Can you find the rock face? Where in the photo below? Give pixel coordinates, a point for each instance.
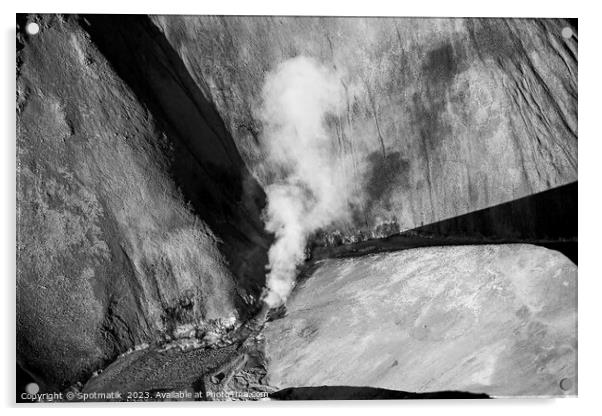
(443, 116)
(112, 250)
(500, 320)
(140, 175)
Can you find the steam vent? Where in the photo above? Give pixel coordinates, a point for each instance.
(295, 208)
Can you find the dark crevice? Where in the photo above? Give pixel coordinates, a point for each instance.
(366, 393)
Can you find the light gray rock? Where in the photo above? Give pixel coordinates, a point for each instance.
(500, 320)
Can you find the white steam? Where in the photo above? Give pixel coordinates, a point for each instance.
(311, 189)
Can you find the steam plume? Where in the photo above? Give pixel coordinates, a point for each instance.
(310, 190)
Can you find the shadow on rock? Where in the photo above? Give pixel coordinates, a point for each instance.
(366, 393)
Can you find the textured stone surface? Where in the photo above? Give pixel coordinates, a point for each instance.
(444, 116)
(500, 320)
(109, 251)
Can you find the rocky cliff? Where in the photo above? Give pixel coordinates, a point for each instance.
(443, 116)
(137, 218)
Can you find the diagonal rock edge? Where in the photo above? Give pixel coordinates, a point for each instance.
(547, 219)
(210, 172)
(135, 174)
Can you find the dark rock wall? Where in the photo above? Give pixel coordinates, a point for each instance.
(547, 219)
(131, 200)
(550, 215)
(444, 116)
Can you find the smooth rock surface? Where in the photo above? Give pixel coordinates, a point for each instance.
(500, 320)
